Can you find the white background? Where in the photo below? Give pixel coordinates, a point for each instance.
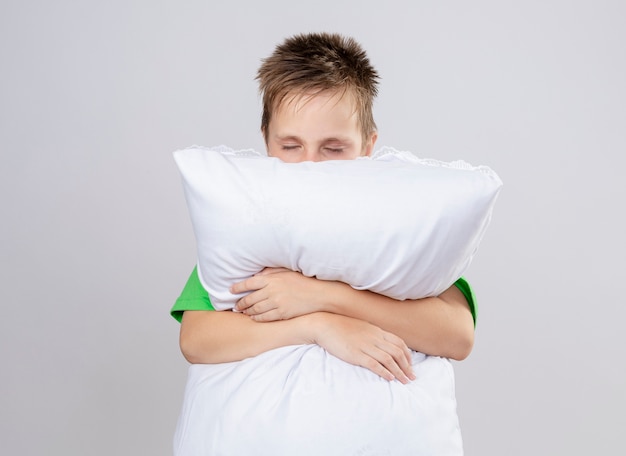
(96, 242)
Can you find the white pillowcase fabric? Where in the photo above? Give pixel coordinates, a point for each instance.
(394, 224)
(300, 400)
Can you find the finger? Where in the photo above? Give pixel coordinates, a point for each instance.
(399, 354)
(390, 358)
(407, 363)
(250, 284)
(270, 315)
(376, 367)
(250, 300)
(393, 359)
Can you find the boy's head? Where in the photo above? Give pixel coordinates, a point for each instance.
(328, 71)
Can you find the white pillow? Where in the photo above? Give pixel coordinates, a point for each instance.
(299, 400)
(393, 224)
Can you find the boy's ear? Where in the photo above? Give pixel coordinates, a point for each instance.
(369, 145)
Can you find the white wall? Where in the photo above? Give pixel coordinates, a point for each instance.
(96, 243)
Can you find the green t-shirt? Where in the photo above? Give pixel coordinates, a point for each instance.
(195, 297)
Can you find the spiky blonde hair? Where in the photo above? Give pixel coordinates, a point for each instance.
(308, 64)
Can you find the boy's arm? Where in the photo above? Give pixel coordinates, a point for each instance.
(441, 326)
(215, 337)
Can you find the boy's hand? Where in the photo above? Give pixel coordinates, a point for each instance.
(278, 294)
(363, 344)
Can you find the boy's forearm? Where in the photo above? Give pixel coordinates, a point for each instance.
(440, 326)
(208, 337)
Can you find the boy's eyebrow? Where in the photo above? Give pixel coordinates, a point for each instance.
(325, 140)
(287, 138)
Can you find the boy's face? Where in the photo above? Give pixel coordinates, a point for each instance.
(316, 128)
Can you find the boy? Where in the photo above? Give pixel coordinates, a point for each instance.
(318, 91)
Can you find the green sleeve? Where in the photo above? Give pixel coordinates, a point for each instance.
(467, 291)
(193, 297)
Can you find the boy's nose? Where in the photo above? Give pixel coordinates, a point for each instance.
(312, 155)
